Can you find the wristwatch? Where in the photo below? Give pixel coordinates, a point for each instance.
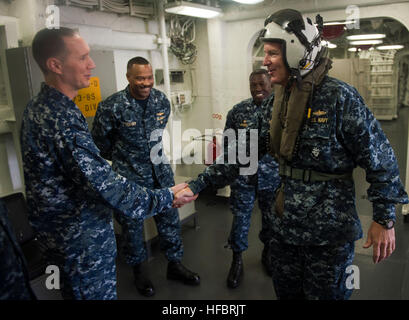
(387, 224)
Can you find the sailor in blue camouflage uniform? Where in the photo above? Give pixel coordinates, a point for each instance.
(128, 128)
(70, 188)
(320, 131)
(14, 278)
(252, 113)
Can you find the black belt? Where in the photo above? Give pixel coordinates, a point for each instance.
(307, 175)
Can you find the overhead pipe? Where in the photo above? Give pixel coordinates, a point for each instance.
(174, 153)
(234, 12)
(106, 38)
(164, 46)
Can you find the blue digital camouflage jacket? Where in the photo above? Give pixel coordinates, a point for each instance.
(126, 133)
(68, 184)
(339, 134)
(248, 115)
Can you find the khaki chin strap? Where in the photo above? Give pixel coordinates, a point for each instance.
(287, 117)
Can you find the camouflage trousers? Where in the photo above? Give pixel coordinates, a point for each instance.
(242, 201)
(311, 272)
(168, 226)
(97, 283)
(88, 272)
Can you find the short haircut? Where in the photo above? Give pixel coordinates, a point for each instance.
(258, 71)
(48, 43)
(136, 60)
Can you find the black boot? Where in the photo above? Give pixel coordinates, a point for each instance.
(236, 271)
(177, 271)
(266, 260)
(142, 282)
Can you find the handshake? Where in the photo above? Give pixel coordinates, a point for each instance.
(182, 195)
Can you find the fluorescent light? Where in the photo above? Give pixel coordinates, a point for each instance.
(192, 9)
(366, 36)
(248, 1)
(364, 42)
(390, 47)
(328, 44)
(354, 49)
(338, 23)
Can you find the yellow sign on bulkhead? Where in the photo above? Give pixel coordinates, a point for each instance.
(88, 98)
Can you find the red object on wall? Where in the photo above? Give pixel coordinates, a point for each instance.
(213, 151)
(333, 31)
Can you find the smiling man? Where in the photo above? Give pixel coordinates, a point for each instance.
(320, 131)
(70, 188)
(249, 114)
(122, 128)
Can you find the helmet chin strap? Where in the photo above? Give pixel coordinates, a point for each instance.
(295, 75)
(298, 78)
(312, 88)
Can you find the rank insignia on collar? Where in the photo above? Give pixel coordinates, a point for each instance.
(319, 113)
(130, 124)
(315, 152)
